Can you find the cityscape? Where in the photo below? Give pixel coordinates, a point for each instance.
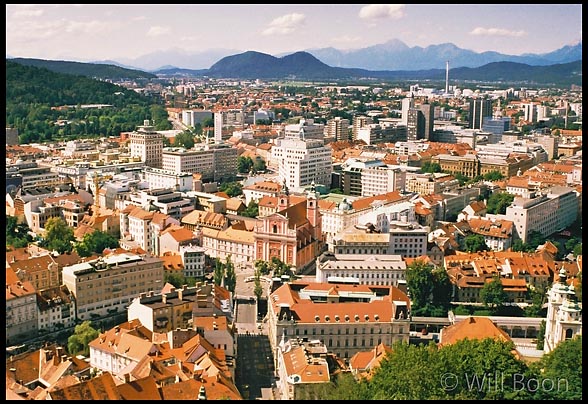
(326, 215)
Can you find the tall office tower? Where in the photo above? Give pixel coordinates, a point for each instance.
(419, 123)
(338, 129)
(147, 144)
(447, 77)
(530, 112)
(407, 103)
(225, 122)
(428, 112)
(360, 121)
(479, 108)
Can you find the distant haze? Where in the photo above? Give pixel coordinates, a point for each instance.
(202, 34)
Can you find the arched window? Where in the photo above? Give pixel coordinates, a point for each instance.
(569, 333)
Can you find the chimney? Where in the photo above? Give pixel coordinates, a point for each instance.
(164, 298)
(180, 294)
(127, 377)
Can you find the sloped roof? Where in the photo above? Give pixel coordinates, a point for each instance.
(477, 328)
(140, 389)
(101, 387)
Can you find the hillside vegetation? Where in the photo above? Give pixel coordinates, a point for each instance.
(31, 94)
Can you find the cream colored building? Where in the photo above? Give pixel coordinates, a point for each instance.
(377, 269)
(346, 318)
(106, 285)
(147, 144)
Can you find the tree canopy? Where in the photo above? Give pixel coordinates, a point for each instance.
(17, 233)
(95, 243)
(83, 334)
(498, 202)
(473, 243)
(58, 235)
(493, 294)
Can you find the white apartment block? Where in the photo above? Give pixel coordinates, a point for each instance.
(225, 120)
(158, 178)
(191, 117)
(302, 162)
(142, 228)
(147, 144)
(412, 147)
(338, 129)
(214, 162)
(377, 269)
(106, 285)
(381, 180)
(547, 213)
(305, 129)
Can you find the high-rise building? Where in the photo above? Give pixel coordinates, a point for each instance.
(479, 108)
(407, 103)
(338, 129)
(147, 144)
(360, 121)
(302, 161)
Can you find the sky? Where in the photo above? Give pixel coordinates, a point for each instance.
(93, 32)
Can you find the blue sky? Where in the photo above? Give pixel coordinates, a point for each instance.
(109, 31)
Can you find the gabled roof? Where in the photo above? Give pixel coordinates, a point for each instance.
(472, 328)
(101, 387)
(140, 389)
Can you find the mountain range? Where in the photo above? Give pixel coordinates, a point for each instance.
(304, 66)
(391, 55)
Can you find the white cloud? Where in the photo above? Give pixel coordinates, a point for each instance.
(382, 11)
(56, 28)
(157, 30)
(285, 24)
(27, 11)
(496, 32)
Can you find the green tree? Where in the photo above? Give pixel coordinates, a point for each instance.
(262, 266)
(498, 202)
(493, 176)
(252, 209)
(58, 235)
(219, 272)
(17, 233)
(78, 342)
(95, 242)
(442, 288)
(560, 372)
(419, 280)
(429, 167)
(541, 336)
(257, 290)
(577, 250)
(474, 243)
(230, 275)
(244, 164)
(231, 188)
(184, 139)
(493, 294)
(259, 165)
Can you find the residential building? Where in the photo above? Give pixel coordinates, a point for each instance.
(56, 309)
(300, 363)
(106, 285)
(21, 309)
(42, 271)
(216, 162)
(379, 180)
(338, 129)
(547, 213)
(142, 228)
(159, 178)
(429, 183)
(255, 192)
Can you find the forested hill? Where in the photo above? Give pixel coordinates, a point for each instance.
(27, 84)
(92, 70)
(31, 93)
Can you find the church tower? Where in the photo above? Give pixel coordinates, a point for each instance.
(564, 314)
